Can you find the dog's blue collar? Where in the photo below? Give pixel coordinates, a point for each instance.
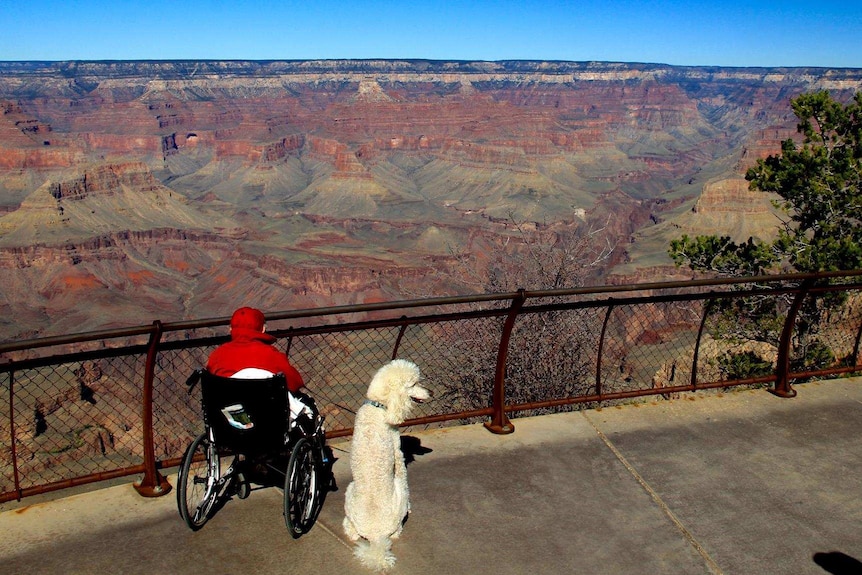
(375, 403)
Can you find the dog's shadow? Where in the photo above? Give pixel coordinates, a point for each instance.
(838, 563)
(411, 447)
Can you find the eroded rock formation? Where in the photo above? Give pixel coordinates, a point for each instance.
(182, 189)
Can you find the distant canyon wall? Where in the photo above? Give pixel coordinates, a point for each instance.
(136, 190)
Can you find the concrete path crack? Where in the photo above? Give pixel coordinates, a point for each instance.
(711, 564)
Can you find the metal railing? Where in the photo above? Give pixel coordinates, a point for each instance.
(100, 405)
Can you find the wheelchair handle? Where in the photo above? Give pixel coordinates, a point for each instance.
(193, 380)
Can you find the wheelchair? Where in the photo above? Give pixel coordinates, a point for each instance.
(249, 437)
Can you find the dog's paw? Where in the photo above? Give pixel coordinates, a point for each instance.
(375, 554)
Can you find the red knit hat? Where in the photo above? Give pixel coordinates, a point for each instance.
(247, 318)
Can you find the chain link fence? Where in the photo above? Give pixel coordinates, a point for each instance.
(74, 416)
(81, 416)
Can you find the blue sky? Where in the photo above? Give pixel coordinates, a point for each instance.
(721, 33)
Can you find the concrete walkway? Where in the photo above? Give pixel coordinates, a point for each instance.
(744, 483)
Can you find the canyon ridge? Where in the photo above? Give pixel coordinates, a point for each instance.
(132, 191)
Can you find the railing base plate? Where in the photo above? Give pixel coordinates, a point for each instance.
(499, 429)
(162, 487)
(780, 393)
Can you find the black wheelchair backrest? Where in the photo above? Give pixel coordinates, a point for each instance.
(246, 415)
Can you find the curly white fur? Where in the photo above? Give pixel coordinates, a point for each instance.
(377, 501)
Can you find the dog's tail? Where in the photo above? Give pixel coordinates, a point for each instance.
(375, 554)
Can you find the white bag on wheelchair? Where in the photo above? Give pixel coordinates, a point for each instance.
(297, 407)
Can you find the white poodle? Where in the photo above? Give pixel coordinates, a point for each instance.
(377, 501)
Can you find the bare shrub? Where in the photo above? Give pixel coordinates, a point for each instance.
(552, 352)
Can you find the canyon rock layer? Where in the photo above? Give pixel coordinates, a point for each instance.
(134, 191)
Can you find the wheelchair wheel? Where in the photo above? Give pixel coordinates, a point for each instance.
(198, 482)
(301, 489)
(243, 489)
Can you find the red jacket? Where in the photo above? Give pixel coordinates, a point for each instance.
(250, 348)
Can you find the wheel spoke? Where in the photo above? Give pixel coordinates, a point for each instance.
(198, 482)
(301, 495)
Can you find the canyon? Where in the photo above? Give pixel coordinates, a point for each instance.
(135, 191)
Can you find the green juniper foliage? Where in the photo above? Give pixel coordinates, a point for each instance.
(818, 183)
(819, 186)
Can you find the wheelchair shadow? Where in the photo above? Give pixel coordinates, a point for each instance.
(263, 479)
(411, 447)
(258, 478)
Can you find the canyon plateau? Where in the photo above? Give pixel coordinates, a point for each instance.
(132, 191)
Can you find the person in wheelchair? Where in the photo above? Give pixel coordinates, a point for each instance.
(250, 355)
(246, 438)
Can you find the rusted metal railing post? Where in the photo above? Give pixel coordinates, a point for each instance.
(500, 423)
(400, 336)
(153, 484)
(601, 350)
(707, 308)
(289, 342)
(13, 436)
(782, 369)
(856, 344)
